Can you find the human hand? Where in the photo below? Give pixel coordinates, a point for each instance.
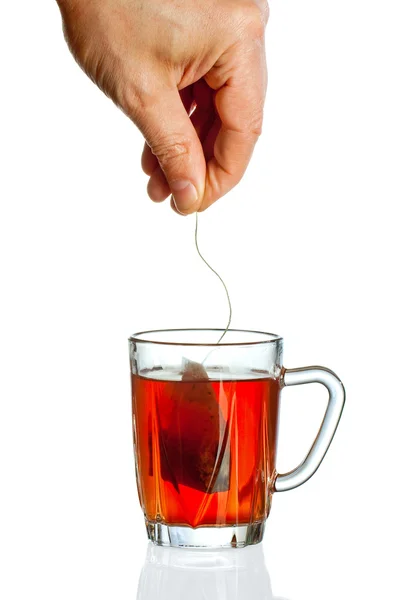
(191, 75)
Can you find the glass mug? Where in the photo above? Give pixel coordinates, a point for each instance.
(205, 421)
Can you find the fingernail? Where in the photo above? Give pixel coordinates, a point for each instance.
(184, 194)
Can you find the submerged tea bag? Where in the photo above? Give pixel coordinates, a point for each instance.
(193, 432)
(194, 443)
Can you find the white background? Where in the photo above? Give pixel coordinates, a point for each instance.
(309, 246)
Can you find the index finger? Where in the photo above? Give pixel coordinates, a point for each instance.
(239, 103)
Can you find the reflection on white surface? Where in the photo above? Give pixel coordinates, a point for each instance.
(172, 574)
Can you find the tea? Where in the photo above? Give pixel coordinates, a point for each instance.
(205, 449)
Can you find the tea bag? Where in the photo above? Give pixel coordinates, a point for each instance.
(194, 447)
(193, 433)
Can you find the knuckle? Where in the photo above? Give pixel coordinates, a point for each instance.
(256, 121)
(250, 123)
(171, 149)
(137, 97)
(257, 128)
(253, 16)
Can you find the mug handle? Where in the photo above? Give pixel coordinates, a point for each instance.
(315, 456)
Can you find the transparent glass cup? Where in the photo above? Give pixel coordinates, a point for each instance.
(205, 424)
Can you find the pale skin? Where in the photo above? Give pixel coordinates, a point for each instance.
(191, 74)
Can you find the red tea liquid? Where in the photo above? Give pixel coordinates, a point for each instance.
(205, 449)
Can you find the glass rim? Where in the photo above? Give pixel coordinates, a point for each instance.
(271, 338)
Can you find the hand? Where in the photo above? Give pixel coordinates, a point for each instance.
(190, 74)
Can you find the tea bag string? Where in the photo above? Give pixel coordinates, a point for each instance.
(217, 274)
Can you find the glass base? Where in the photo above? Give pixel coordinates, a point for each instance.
(236, 536)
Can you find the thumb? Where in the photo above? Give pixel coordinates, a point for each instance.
(172, 138)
